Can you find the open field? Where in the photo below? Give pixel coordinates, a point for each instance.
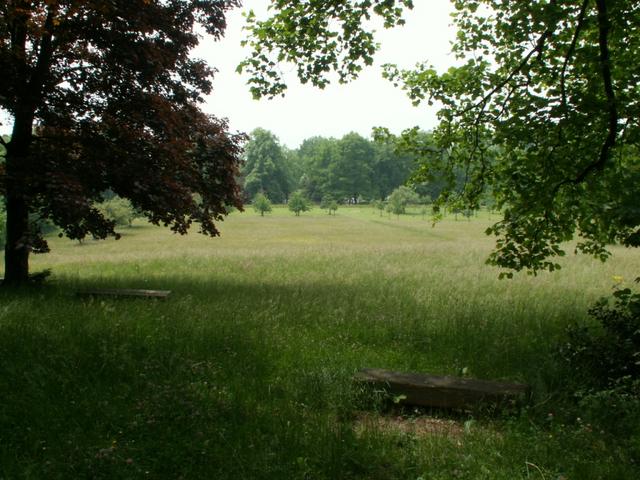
(245, 371)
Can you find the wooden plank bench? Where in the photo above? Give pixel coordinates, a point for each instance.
(441, 391)
(124, 292)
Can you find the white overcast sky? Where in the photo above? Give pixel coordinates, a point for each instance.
(306, 111)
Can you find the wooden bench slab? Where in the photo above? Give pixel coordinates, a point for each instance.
(125, 292)
(442, 391)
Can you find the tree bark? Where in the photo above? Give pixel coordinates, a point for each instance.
(16, 250)
(28, 85)
(18, 238)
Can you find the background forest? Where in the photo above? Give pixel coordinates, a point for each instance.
(351, 170)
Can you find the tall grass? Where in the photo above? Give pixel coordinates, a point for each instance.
(245, 371)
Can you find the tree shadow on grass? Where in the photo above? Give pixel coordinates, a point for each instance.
(222, 379)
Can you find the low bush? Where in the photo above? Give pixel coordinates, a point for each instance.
(605, 360)
(119, 210)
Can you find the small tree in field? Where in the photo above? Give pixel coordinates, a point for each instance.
(262, 204)
(396, 205)
(327, 203)
(298, 203)
(380, 205)
(119, 210)
(400, 198)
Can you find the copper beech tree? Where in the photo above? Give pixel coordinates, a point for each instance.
(104, 95)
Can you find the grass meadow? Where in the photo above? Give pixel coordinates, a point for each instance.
(245, 371)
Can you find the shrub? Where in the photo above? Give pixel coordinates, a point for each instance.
(329, 204)
(608, 355)
(298, 203)
(604, 363)
(119, 210)
(261, 204)
(325, 202)
(400, 198)
(380, 206)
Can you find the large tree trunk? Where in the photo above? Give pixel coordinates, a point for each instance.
(16, 250)
(18, 238)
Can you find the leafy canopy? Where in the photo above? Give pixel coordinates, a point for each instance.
(318, 37)
(265, 168)
(400, 198)
(104, 96)
(541, 110)
(351, 167)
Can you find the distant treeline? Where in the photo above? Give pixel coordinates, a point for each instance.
(351, 169)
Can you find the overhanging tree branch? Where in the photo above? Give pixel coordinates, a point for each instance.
(44, 55)
(539, 47)
(612, 110)
(604, 61)
(483, 101)
(605, 70)
(570, 52)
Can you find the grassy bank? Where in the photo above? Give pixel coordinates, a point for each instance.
(245, 371)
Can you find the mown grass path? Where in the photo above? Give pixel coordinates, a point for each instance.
(245, 371)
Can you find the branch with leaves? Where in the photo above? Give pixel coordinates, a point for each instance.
(533, 112)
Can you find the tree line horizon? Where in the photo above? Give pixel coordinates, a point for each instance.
(351, 169)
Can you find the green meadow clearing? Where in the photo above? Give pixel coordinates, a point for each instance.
(245, 371)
